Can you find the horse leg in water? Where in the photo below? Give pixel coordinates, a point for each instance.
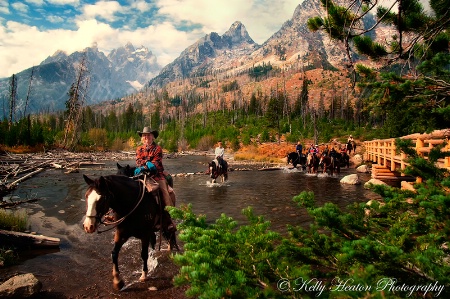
(145, 242)
(224, 175)
(118, 283)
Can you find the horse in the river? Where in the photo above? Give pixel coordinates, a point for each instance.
(296, 159)
(312, 162)
(343, 159)
(353, 146)
(330, 163)
(349, 147)
(215, 170)
(137, 213)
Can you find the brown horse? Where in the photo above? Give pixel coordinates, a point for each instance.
(330, 163)
(137, 214)
(312, 162)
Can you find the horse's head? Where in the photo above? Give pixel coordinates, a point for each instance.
(289, 158)
(213, 170)
(321, 158)
(125, 170)
(96, 203)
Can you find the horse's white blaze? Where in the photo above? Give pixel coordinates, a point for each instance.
(91, 202)
(89, 221)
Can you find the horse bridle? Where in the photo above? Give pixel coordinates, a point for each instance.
(119, 221)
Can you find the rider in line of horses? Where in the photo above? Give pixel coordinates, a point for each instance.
(219, 153)
(149, 157)
(313, 149)
(325, 151)
(351, 145)
(299, 149)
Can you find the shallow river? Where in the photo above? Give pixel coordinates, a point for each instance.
(61, 207)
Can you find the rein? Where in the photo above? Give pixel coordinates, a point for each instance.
(119, 221)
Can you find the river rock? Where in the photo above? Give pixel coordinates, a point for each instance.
(357, 158)
(20, 286)
(351, 179)
(363, 168)
(407, 186)
(373, 182)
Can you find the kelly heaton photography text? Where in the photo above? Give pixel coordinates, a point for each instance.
(387, 284)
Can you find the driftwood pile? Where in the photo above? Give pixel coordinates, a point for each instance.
(15, 168)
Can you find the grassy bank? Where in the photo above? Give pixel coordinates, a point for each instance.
(15, 221)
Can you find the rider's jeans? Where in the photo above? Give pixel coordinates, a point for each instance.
(164, 191)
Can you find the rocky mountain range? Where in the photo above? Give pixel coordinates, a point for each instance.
(124, 71)
(294, 54)
(293, 51)
(235, 51)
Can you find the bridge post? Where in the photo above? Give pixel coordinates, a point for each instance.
(447, 148)
(378, 151)
(392, 149)
(419, 146)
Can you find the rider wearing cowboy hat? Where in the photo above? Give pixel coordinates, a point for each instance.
(149, 157)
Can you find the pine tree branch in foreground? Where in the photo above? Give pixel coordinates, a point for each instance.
(392, 248)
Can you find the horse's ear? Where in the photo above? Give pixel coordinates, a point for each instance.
(119, 166)
(102, 182)
(88, 181)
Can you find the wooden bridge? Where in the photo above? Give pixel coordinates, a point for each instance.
(387, 165)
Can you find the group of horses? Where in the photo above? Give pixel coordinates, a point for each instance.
(312, 161)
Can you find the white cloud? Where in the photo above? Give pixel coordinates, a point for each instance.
(64, 2)
(20, 7)
(4, 10)
(141, 6)
(4, 7)
(22, 46)
(103, 9)
(261, 18)
(35, 2)
(55, 19)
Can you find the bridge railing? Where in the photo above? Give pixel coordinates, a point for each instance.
(383, 152)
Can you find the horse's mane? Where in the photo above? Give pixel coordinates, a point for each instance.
(114, 180)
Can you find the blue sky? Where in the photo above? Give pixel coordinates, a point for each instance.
(32, 30)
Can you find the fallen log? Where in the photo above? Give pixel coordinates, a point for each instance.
(13, 184)
(4, 205)
(24, 240)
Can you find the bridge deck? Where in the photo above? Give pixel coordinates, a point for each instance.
(382, 152)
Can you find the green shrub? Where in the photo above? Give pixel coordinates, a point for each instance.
(396, 248)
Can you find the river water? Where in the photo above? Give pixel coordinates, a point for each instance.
(60, 210)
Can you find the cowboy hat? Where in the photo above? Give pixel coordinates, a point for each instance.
(147, 130)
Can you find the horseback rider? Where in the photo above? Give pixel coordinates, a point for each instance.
(333, 152)
(299, 149)
(219, 153)
(325, 151)
(149, 158)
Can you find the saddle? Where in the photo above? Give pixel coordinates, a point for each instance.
(217, 162)
(150, 184)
